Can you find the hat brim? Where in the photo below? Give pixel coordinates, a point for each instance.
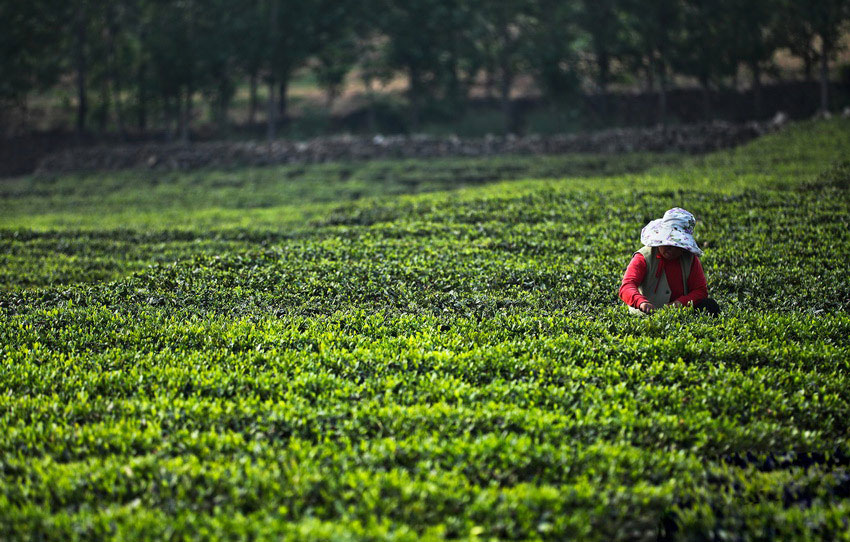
(656, 234)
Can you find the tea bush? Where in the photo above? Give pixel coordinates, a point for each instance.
(261, 355)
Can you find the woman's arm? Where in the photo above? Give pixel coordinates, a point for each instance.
(635, 273)
(696, 285)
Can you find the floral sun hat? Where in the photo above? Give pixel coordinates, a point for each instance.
(676, 229)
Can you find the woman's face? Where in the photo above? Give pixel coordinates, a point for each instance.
(671, 253)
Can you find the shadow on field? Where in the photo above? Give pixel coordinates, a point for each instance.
(823, 477)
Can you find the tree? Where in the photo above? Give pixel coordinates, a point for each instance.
(80, 33)
(505, 28)
(554, 46)
(30, 52)
(170, 41)
(824, 19)
(798, 36)
(219, 37)
(334, 43)
(702, 50)
(111, 57)
(460, 60)
(119, 55)
(290, 32)
(190, 47)
(250, 43)
(416, 32)
(654, 28)
(602, 21)
(753, 39)
(372, 68)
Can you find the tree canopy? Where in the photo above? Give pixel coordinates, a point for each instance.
(139, 62)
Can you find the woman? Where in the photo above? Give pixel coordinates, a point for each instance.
(667, 270)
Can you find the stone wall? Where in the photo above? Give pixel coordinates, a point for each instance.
(699, 138)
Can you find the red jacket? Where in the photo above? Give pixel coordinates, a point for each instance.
(636, 272)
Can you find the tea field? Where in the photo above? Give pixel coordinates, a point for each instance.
(427, 350)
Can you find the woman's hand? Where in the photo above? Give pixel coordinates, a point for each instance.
(646, 307)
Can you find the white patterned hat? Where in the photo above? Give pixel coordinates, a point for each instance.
(676, 229)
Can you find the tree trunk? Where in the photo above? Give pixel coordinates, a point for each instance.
(282, 105)
(331, 94)
(81, 66)
(808, 68)
(824, 76)
(506, 82)
(415, 93)
(507, 104)
(222, 103)
(372, 115)
(271, 120)
(706, 98)
(190, 85)
(102, 113)
(186, 116)
(489, 84)
(271, 113)
(757, 94)
(179, 117)
(171, 116)
(114, 74)
(650, 77)
(453, 87)
(252, 102)
(141, 82)
(662, 94)
(371, 120)
(603, 63)
(142, 111)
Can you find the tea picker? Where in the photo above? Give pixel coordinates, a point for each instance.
(667, 270)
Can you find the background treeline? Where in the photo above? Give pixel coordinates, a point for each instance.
(138, 65)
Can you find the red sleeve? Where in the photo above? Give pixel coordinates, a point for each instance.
(696, 285)
(635, 273)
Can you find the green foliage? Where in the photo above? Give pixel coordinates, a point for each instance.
(271, 358)
(150, 59)
(28, 43)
